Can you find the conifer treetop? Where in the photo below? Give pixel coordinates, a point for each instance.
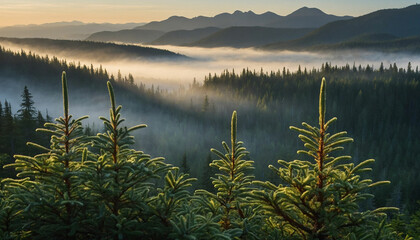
(65, 95)
(111, 96)
(322, 101)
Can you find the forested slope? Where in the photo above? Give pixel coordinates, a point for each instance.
(92, 50)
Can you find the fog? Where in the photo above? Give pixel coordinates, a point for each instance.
(168, 134)
(171, 74)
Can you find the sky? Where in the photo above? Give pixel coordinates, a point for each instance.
(14, 12)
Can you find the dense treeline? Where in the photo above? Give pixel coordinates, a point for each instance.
(380, 108)
(17, 129)
(83, 187)
(94, 50)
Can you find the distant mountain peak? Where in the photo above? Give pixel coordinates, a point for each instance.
(239, 12)
(176, 17)
(306, 11)
(269, 13)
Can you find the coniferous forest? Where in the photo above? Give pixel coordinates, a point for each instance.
(75, 182)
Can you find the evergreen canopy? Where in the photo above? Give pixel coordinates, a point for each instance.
(98, 187)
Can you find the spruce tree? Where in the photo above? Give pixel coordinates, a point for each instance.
(232, 183)
(26, 121)
(27, 110)
(319, 199)
(50, 190)
(119, 180)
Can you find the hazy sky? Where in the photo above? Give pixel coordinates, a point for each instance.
(14, 12)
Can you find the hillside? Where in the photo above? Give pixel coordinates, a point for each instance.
(398, 22)
(62, 30)
(306, 18)
(409, 45)
(93, 50)
(184, 37)
(126, 36)
(250, 36)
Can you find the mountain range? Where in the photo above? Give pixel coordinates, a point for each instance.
(306, 29)
(74, 30)
(401, 23)
(178, 30)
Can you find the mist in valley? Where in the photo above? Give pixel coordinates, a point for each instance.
(172, 136)
(172, 74)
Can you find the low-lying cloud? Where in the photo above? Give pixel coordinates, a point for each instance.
(171, 73)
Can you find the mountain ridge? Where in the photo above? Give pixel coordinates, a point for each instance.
(401, 22)
(242, 37)
(183, 37)
(306, 17)
(74, 30)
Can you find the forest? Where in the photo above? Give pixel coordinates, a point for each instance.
(60, 180)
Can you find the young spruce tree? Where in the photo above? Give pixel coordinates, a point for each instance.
(49, 191)
(232, 184)
(119, 180)
(319, 199)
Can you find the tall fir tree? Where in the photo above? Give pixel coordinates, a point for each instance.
(27, 110)
(26, 121)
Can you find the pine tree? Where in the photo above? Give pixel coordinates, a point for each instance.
(50, 189)
(120, 180)
(319, 199)
(40, 119)
(26, 120)
(232, 183)
(27, 110)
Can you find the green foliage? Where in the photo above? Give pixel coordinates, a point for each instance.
(368, 102)
(414, 226)
(99, 187)
(49, 191)
(232, 184)
(319, 199)
(379, 108)
(120, 179)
